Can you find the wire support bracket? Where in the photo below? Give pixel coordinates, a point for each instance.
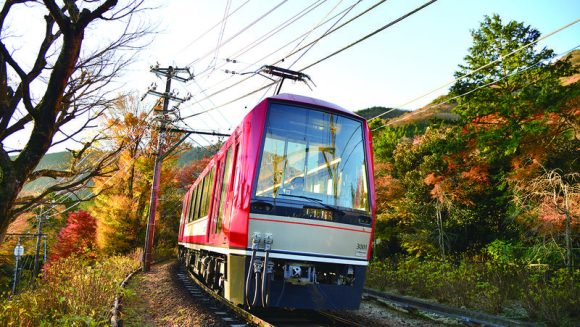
(284, 73)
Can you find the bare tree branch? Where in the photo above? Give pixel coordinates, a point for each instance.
(75, 84)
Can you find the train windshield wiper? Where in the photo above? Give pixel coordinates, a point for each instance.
(316, 200)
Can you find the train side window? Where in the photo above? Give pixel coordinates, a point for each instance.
(202, 212)
(198, 199)
(236, 164)
(191, 206)
(187, 206)
(208, 191)
(225, 184)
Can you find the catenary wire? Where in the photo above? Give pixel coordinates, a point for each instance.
(414, 11)
(250, 65)
(292, 53)
(274, 31)
(211, 28)
(371, 34)
(324, 34)
(241, 31)
(220, 38)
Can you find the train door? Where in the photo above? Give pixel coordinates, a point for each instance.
(229, 195)
(220, 195)
(212, 222)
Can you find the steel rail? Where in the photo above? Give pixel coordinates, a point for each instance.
(248, 316)
(340, 319)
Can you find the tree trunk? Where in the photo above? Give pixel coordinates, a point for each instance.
(44, 115)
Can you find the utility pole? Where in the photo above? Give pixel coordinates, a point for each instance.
(169, 73)
(39, 234)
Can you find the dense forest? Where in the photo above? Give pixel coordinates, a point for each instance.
(505, 172)
(484, 209)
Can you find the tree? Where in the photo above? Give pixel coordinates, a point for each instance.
(64, 83)
(77, 237)
(526, 106)
(121, 208)
(519, 118)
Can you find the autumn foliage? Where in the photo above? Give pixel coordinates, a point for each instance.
(77, 237)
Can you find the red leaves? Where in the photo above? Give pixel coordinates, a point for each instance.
(77, 237)
(187, 175)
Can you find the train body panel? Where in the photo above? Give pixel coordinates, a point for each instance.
(283, 215)
(312, 238)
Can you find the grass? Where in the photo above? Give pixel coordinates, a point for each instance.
(539, 294)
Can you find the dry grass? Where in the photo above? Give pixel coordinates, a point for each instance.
(75, 292)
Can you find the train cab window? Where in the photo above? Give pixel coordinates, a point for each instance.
(315, 155)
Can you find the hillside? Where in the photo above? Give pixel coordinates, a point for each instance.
(57, 160)
(574, 58)
(444, 112)
(430, 112)
(371, 112)
(196, 153)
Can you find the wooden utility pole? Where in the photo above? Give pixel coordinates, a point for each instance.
(162, 115)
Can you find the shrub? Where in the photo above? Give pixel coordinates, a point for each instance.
(76, 291)
(551, 296)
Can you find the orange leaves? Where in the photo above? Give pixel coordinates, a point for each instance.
(185, 176)
(477, 175)
(442, 190)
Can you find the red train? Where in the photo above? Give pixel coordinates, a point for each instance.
(283, 215)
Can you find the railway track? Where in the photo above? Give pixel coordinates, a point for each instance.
(237, 317)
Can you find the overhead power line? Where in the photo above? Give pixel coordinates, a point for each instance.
(212, 28)
(414, 11)
(266, 36)
(220, 37)
(289, 55)
(312, 44)
(484, 66)
(240, 32)
(260, 61)
(371, 34)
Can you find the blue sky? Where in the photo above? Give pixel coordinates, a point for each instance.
(401, 63)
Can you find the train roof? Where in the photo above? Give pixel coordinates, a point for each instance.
(300, 99)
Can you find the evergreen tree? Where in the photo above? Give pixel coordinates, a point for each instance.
(527, 101)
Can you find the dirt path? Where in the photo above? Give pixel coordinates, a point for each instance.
(157, 298)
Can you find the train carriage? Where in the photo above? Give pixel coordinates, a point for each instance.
(283, 214)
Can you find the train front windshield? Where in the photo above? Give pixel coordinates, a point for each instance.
(312, 155)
